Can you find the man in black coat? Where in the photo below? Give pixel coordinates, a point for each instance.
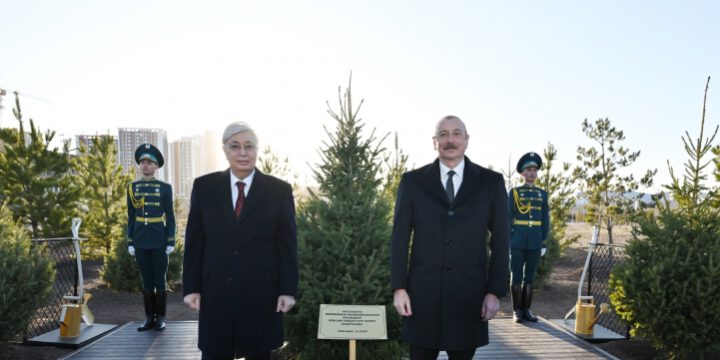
(445, 284)
(240, 264)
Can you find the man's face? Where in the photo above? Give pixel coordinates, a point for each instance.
(148, 167)
(241, 153)
(451, 140)
(530, 174)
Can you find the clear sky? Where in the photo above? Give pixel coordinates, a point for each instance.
(519, 73)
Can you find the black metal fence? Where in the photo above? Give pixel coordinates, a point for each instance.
(604, 258)
(47, 318)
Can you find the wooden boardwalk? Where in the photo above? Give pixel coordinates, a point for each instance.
(540, 340)
(508, 340)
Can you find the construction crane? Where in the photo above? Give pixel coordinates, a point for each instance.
(3, 93)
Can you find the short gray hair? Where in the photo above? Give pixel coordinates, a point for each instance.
(236, 128)
(450, 117)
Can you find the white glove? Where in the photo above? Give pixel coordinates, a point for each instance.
(131, 250)
(169, 249)
(543, 251)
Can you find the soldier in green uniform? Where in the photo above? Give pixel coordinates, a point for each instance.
(151, 233)
(529, 228)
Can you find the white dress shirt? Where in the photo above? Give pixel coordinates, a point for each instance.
(457, 178)
(248, 182)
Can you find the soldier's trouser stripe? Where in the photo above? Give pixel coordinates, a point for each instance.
(523, 265)
(153, 264)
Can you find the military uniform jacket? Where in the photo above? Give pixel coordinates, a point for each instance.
(151, 218)
(240, 265)
(529, 217)
(448, 272)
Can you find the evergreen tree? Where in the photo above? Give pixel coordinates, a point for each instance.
(104, 187)
(510, 182)
(343, 235)
(667, 289)
(560, 188)
(26, 279)
(395, 167)
(35, 180)
(599, 175)
(269, 163)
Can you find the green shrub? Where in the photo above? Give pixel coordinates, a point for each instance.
(120, 271)
(668, 289)
(25, 280)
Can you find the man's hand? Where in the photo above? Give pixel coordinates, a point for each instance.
(401, 300)
(285, 303)
(543, 251)
(131, 250)
(169, 249)
(193, 301)
(491, 305)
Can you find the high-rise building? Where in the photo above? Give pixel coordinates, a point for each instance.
(192, 157)
(185, 155)
(130, 138)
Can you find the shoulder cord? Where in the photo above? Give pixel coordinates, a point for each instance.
(523, 208)
(136, 203)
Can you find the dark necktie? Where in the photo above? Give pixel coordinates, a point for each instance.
(450, 187)
(240, 198)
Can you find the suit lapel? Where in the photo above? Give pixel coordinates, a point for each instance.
(254, 194)
(472, 180)
(225, 195)
(432, 183)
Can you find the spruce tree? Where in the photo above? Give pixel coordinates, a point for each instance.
(343, 235)
(395, 167)
(104, 185)
(667, 290)
(599, 175)
(26, 279)
(269, 163)
(35, 180)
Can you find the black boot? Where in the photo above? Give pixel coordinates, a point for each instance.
(160, 306)
(516, 301)
(527, 302)
(149, 300)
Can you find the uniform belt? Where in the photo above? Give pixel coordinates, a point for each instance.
(527, 222)
(147, 220)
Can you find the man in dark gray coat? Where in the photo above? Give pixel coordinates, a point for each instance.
(240, 266)
(446, 285)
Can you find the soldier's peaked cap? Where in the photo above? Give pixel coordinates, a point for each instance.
(527, 160)
(150, 152)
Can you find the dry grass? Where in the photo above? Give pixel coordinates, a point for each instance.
(621, 233)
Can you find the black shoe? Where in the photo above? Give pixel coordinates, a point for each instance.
(149, 302)
(160, 323)
(148, 324)
(527, 303)
(160, 306)
(518, 316)
(516, 302)
(529, 316)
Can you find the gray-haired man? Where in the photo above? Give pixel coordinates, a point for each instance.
(240, 266)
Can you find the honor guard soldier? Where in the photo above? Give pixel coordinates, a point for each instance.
(151, 233)
(529, 228)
